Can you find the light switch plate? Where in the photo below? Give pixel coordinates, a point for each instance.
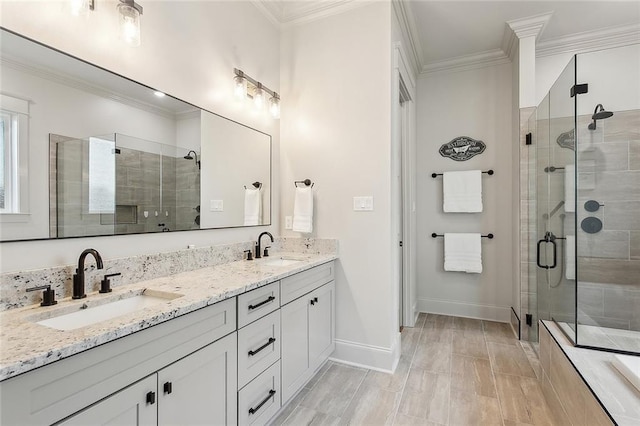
(288, 222)
(363, 204)
(217, 206)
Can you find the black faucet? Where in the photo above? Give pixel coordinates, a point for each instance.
(78, 277)
(258, 254)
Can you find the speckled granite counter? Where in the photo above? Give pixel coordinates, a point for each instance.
(25, 345)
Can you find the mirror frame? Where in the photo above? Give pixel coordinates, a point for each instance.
(174, 97)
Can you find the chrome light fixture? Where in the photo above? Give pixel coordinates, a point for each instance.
(81, 7)
(129, 19)
(247, 87)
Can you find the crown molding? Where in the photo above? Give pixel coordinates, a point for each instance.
(82, 85)
(589, 41)
(468, 62)
(284, 14)
(409, 29)
(531, 26)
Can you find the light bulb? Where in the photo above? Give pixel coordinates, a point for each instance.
(274, 107)
(129, 24)
(240, 88)
(258, 97)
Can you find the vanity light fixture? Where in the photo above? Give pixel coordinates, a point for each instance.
(245, 86)
(129, 19)
(81, 7)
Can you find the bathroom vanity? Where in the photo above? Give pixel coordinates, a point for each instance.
(236, 342)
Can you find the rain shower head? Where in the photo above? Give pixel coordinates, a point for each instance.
(599, 114)
(192, 157)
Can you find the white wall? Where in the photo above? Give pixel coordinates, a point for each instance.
(475, 103)
(188, 50)
(336, 75)
(612, 75)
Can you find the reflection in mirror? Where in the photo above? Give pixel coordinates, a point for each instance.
(118, 184)
(93, 153)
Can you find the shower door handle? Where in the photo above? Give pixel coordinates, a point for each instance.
(555, 258)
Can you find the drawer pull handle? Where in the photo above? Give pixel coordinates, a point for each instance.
(264, 401)
(168, 387)
(151, 398)
(264, 302)
(270, 341)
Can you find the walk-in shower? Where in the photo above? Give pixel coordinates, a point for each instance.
(583, 222)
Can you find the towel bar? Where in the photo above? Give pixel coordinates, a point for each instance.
(306, 182)
(434, 235)
(256, 185)
(435, 175)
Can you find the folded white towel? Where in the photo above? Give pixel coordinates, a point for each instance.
(570, 188)
(462, 191)
(252, 206)
(570, 257)
(303, 210)
(463, 252)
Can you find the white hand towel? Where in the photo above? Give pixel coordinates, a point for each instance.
(303, 210)
(570, 257)
(570, 188)
(463, 253)
(462, 191)
(252, 206)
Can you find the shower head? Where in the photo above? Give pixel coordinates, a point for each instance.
(192, 157)
(599, 114)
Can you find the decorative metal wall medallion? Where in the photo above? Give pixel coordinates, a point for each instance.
(462, 148)
(567, 139)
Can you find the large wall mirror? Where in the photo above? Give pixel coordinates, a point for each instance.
(85, 152)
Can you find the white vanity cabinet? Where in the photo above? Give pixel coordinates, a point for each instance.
(308, 326)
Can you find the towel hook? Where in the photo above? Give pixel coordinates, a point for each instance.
(306, 182)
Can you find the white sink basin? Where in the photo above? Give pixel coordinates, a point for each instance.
(280, 262)
(106, 311)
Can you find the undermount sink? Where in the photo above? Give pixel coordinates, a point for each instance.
(282, 261)
(107, 310)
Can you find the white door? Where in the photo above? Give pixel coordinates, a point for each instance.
(321, 326)
(295, 345)
(134, 405)
(201, 388)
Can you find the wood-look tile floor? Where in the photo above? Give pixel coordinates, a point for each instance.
(453, 371)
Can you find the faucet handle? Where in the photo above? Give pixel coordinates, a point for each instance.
(105, 284)
(266, 251)
(249, 254)
(48, 295)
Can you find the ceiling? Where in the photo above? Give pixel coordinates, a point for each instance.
(450, 33)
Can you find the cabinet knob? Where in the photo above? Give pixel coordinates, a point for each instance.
(151, 398)
(168, 387)
(314, 300)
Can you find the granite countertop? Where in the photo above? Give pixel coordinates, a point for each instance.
(25, 345)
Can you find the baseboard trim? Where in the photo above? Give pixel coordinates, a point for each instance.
(463, 309)
(367, 356)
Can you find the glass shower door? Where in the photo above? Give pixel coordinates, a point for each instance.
(555, 204)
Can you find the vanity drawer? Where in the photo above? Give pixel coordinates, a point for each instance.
(257, 303)
(258, 347)
(300, 284)
(260, 399)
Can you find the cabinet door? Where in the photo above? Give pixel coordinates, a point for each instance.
(127, 407)
(295, 346)
(200, 388)
(321, 324)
